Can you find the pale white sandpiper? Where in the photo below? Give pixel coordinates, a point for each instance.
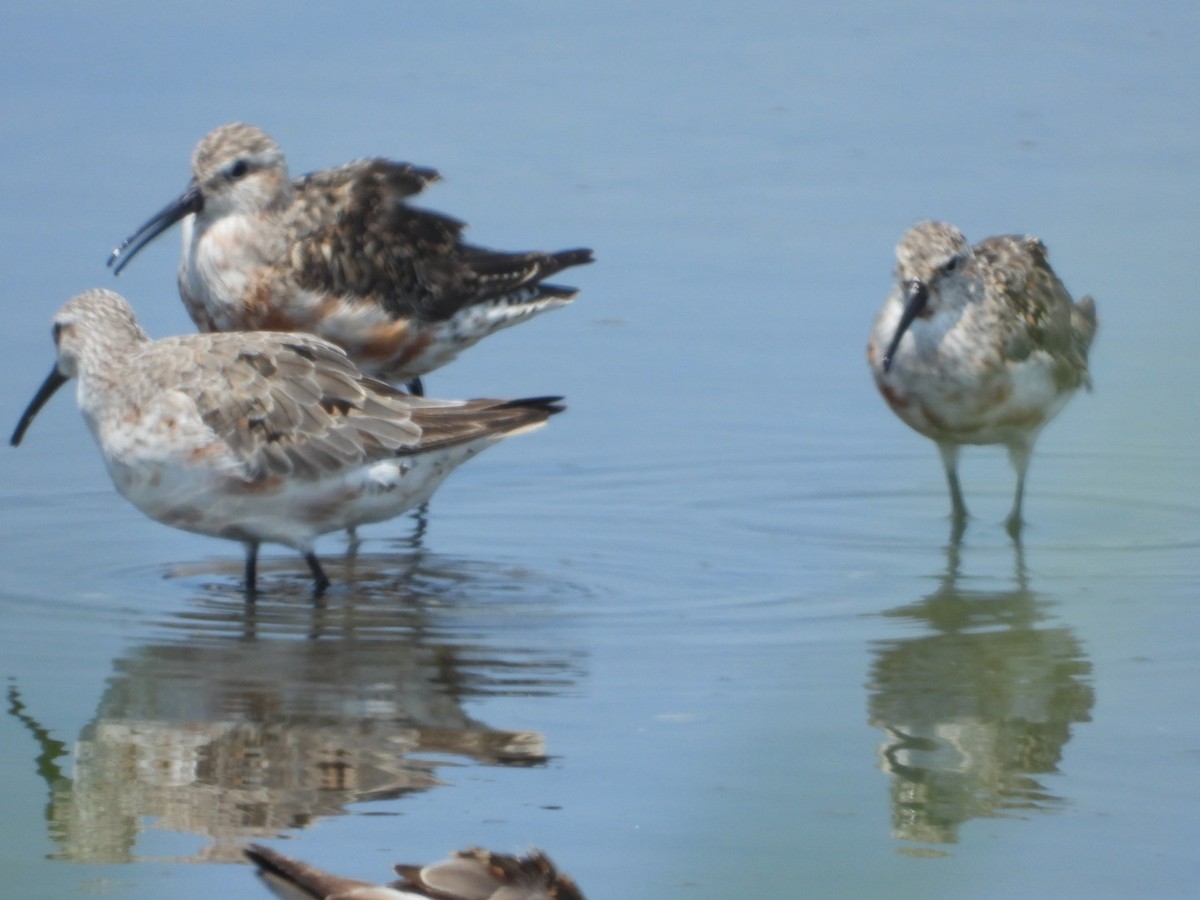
(341, 254)
(260, 436)
(979, 345)
(472, 874)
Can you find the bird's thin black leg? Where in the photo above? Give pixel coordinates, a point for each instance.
(251, 569)
(320, 581)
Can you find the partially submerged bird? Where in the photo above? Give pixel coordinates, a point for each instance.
(341, 254)
(979, 345)
(472, 874)
(260, 436)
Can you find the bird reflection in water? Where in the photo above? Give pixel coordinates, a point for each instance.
(978, 707)
(215, 728)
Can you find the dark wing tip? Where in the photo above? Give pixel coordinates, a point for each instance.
(263, 857)
(290, 877)
(545, 290)
(580, 256)
(550, 405)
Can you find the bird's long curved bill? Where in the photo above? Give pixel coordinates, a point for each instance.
(914, 304)
(53, 382)
(190, 201)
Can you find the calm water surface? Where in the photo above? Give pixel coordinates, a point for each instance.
(705, 635)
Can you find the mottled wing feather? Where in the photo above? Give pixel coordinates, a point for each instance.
(319, 195)
(291, 405)
(351, 233)
(477, 874)
(334, 225)
(1018, 267)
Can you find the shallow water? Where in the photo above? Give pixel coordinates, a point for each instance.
(706, 633)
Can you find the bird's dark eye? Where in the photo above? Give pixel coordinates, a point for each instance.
(57, 331)
(238, 169)
(952, 264)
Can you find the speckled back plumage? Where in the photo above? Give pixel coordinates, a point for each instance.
(1018, 268)
(288, 404)
(350, 232)
(293, 405)
(1001, 304)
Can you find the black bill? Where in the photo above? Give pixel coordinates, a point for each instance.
(191, 201)
(916, 299)
(53, 382)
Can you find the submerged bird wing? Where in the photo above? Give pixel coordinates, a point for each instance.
(295, 880)
(1018, 270)
(472, 874)
(352, 234)
(477, 874)
(288, 404)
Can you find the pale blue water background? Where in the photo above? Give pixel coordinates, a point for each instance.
(702, 636)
